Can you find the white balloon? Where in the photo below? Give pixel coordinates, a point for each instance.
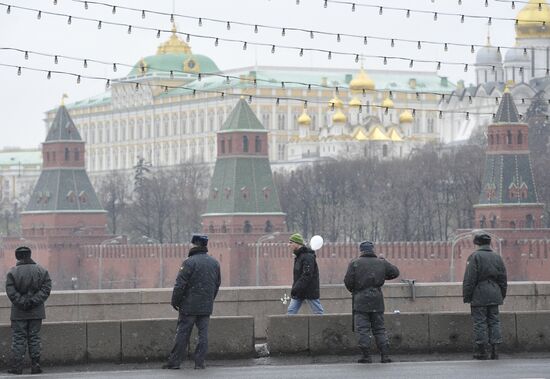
(316, 242)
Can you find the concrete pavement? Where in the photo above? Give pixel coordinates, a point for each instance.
(327, 367)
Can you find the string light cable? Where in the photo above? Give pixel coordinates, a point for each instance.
(311, 32)
(330, 53)
(223, 94)
(252, 81)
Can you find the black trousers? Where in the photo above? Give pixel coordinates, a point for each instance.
(486, 325)
(25, 333)
(183, 333)
(367, 323)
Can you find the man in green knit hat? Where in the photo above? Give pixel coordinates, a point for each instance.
(305, 286)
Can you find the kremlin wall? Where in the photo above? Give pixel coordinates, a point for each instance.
(64, 223)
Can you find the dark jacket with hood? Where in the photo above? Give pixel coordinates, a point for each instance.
(485, 280)
(28, 285)
(197, 283)
(364, 279)
(306, 275)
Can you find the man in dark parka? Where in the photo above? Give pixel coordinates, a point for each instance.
(484, 287)
(28, 286)
(193, 297)
(305, 285)
(364, 279)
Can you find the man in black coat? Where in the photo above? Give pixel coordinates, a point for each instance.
(484, 287)
(305, 286)
(364, 279)
(28, 286)
(193, 297)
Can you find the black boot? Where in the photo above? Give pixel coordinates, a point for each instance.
(480, 352)
(35, 367)
(494, 351)
(385, 353)
(365, 358)
(15, 371)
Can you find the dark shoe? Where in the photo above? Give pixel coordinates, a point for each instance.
(15, 371)
(480, 353)
(494, 351)
(365, 358)
(199, 366)
(36, 369)
(384, 358)
(168, 366)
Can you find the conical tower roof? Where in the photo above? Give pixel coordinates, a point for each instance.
(242, 118)
(63, 128)
(507, 110)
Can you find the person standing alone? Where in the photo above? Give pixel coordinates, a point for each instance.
(364, 279)
(193, 297)
(28, 286)
(484, 287)
(305, 286)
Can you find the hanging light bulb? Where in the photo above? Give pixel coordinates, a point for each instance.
(524, 51)
(446, 47)
(143, 14)
(39, 15)
(249, 99)
(297, 2)
(200, 21)
(411, 63)
(417, 96)
(283, 85)
(255, 82)
(70, 20)
(188, 38)
(414, 112)
(392, 43)
(49, 76)
(540, 6)
(129, 29)
(8, 9)
(311, 34)
(470, 99)
(277, 101)
(99, 24)
(301, 52)
(385, 60)
(329, 55)
(325, 4)
(54, 2)
(513, 5)
(78, 79)
(244, 45)
(26, 55)
(283, 32)
(137, 87)
(165, 89)
(386, 110)
(55, 59)
(459, 2)
(496, 100)
(107, 84)
(171, 74)
(255, 28)
(216, 42)
(462, 19)
(438, 65)
(158, 33)
(390, 95)
(364, 40)
(337, 91)
(466, 67)
(467, 115)
(114, 67)
(194, 92)
(353, 7)
(85, 63)
(493, 68)
(356, 58)
(19, 71)
(309, 88)
(487, 3)
(114, 9)
(435, 16)
(472, 49)
(419, 46)
(440, 114)
(408, 13)
(489, 21)
(272, 49)
(199, 77)
(380, 11)
(86, 5)
(171, 17)
(228, 26)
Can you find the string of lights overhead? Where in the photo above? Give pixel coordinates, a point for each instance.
(228, 93)
(253, 81)
(201, 21)
(273, 47)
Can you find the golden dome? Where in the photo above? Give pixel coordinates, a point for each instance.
(387, 103)
(338, 116)
(405, 117)
(304, 118)
(355, 102)
(174, 45)
(530, 20)
(361, 82)
(336, 102)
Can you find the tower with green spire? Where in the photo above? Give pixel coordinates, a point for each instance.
(508, 198)
(243, 204)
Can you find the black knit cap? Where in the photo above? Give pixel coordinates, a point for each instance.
(22, 252)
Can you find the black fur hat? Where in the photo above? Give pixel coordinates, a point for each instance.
(22, 252)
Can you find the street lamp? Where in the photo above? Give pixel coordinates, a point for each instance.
(462, 236)
(150, 240)
(111, 241)
(260, 240)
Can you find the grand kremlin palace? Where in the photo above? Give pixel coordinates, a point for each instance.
(369, 116)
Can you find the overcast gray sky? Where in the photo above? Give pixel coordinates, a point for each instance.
(25, 98)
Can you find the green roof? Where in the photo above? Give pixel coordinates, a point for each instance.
(242, 118)
(24, 157)
(164, 63)
(243, 185)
